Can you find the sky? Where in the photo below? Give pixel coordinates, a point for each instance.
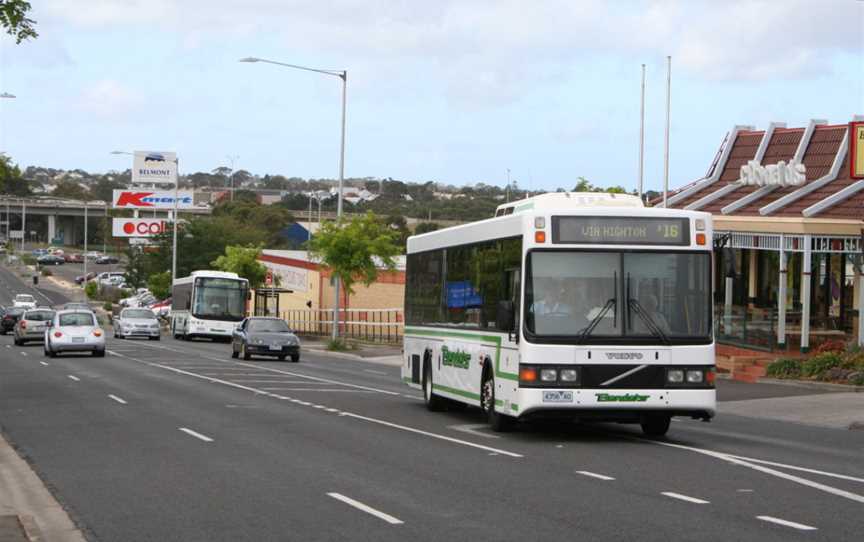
(452, 91)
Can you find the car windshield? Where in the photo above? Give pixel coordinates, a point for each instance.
(635, 297)
(139, 313)
(39, 316)
(76, 319)
(268, 326)
(219, 299)
(15, 311)
(24, 298)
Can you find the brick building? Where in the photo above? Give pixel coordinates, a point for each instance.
(788, 227)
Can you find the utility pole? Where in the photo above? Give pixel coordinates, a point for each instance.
(666, 152)
(642, 134)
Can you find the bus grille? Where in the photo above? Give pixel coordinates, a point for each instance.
(651, 376)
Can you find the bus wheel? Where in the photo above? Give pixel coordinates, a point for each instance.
(655, 425)
(498, 422)
(433, 402)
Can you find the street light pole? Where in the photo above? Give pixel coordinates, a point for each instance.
(85, 242)
(174, 240)
(343, 75)
(231, 180)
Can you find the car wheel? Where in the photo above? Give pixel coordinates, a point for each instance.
(156, 338)
(234, 353)
(16, 341)
(98, 353)
(655, 425)
(281, 358)
(498, 422)
(244, 353)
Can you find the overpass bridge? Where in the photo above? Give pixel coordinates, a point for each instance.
(56, 218)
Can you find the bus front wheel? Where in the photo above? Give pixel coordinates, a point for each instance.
(433, 402)
(655, 425)
(498, 422)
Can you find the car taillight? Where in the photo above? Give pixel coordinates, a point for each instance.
(58, 334)
(97, 332)
(23, 324)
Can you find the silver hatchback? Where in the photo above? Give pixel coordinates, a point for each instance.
(32, 325)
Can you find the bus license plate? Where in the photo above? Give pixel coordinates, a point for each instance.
(557, 396)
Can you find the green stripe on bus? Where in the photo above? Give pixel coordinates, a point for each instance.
(454, 391)
(524, 207)
(479, 338)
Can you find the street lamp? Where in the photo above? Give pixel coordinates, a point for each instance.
(231, 181)
(343, 75)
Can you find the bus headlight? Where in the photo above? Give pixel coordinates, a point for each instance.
(569, 375)
(675, 376)
(548, 375)
(695, 376)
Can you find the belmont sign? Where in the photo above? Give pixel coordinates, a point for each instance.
(779, 174)
(138, 227)
(152, 199)
(154, 167)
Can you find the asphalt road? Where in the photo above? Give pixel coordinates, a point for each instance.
(169, 440)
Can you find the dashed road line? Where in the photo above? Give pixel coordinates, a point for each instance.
(374, 372)
(75, 378)
(475, 429)
(594, 475)
(23, 353)
(366, 508)
(327, 390)
(786, 523)
(118, 399)
(681, 497)
(43, 363)
(195, 434)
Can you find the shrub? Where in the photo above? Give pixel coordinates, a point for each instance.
(108, 306)
(46, 272)
(857, 378)
(832, 345)
(816, 365)
(784, 368)
(28, 259)
(337, 345)
(91, 290)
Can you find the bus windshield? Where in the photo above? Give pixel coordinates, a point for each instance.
(219, 299)
(630, 297)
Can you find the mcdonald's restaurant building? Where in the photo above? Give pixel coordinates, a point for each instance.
(787, 204)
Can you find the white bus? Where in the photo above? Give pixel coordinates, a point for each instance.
(208, 304)
(583, 306)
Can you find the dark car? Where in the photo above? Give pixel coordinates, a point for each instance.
(102, 260)
(50, 259)
(74, 258)
(260, 336)
(9, 319)
(81, 279)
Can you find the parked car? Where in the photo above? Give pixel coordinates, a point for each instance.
(263, 336)
(162, 309)
(31, 325)
(74, 331)
(104, 260)
(74, 258)
(56, 251)
(137, 323)
(50, 259)
(111, 278)
(133, 300)
(9, 319)
(24, 301)
(77, 305)
(92, 255)
(39, 252)
(81, 279)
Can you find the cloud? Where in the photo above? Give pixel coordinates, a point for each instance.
(109, 100)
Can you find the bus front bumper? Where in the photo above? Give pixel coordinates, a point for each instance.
(614, 405)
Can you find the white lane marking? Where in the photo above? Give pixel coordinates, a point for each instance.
(341, 413)
(118, 399)
(43, 363)
(801, 469)
(8, 346)
(195, 434)
(306, 383)
(684, 497)
(328, 390)
(366, 508)
(735, 461)
(23, 353)
(75, 378)
(472, 429)
(594, 475)
(374, 372)
(786, 523)
(433, 435)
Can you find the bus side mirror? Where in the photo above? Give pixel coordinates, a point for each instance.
(504, 318)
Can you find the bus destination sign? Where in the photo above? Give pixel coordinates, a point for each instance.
(619, 230)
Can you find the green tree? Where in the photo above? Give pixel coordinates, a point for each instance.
(160, 284)
(355, 249)
(135, 275)
(426, 227)
(11, 181)
(399, 225)
(13, 18)
(70, 190)
(244, 262)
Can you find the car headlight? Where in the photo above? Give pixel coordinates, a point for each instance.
(675, 376)
(548, 375)
(258, 341)
(695, 376)
(569, 375)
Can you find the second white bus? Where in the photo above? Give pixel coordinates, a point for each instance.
(208, 304)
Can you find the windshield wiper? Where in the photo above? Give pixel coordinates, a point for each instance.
(649, 322)
(612, 302)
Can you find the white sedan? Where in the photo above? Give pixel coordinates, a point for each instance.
(24, 301)
(74, 331)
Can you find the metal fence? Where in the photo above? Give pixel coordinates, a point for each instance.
(373, 325)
